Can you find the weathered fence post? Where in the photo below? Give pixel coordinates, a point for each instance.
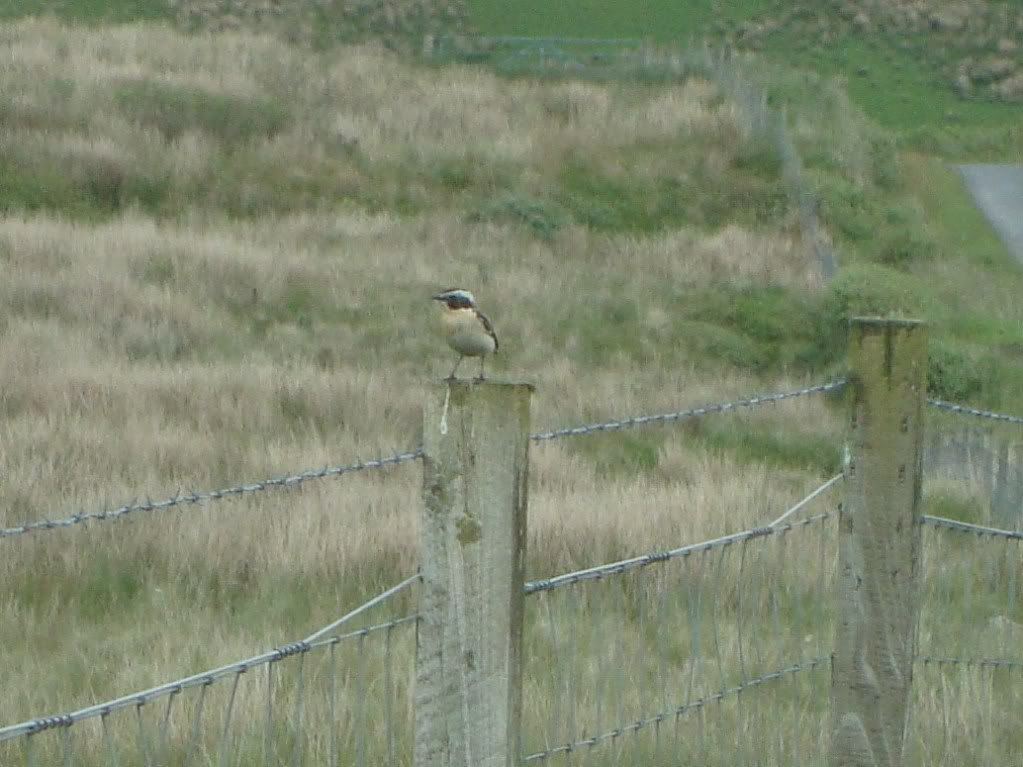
(879, 544)
(472, 546)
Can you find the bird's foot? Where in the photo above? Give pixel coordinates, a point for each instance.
(480, 379)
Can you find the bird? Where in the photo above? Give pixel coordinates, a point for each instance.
(465, 327)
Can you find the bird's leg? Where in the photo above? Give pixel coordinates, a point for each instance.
(482, 362)
(459, 362)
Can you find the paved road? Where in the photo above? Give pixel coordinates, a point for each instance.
(998, 191)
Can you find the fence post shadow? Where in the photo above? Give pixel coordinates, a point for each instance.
(879, 543)
(472, 529)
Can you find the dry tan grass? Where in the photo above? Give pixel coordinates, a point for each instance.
(145, 353)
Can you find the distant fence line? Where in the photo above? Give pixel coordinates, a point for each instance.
(626, 655)
(636, 59)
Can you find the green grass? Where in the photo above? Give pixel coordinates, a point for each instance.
(895, 87)
(172, 110)
(234, 314)
(89, 11)
(895, 82)
(592, 18)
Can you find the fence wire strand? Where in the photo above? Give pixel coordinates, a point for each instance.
(645, 560)
(699, 703)
(967, 646)
(195, 498)
(629, 648)
(206, 678)
(293, 480)
(932, 660)
(967, 527)
(952, 407)
(681, 415)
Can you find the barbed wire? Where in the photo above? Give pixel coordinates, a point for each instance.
(296, 479)
(315, 641)
(680, 415)
(656, 719)
(930, 660)
(645, 560)
(195, 498)
(951, 407)
(966, 527)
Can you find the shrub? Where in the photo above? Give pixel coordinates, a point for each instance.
(173, 109)
(543, 217)
(954, 375)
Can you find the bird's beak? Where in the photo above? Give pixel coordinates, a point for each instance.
(437, 297)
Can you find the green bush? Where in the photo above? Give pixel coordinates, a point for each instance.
(876, 290)
(543, 217)
(729, 346)
(954, 375)
(775, 448)
(173, 109)
(623, 453)
(954, 507)
(756, 328)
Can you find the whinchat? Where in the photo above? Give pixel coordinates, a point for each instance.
(466, 329)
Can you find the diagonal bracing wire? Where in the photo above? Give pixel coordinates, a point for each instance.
(952, 407)
(206, 678)
(293, 480)
(810, 497)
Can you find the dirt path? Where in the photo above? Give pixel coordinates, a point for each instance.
(998, 191)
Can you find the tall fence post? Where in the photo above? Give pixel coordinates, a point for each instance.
(879, 544)
(472, 545)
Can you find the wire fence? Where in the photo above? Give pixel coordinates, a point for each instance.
(339, 696)
(709, 653)
(292, 480)
(975, 412)
(663, 658)
(968, 680)
(635, 60)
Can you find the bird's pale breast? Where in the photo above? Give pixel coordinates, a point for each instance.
(465, 333)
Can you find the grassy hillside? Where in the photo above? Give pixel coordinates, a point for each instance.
(217, 255)
(943, 74)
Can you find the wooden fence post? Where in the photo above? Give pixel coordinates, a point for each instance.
(879, 544)
(472, 546)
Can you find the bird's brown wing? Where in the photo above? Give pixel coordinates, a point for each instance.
(489, 328)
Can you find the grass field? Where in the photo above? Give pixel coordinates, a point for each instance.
(217, 255)
(902, 76)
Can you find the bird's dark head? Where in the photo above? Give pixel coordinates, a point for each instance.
(456, 298)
